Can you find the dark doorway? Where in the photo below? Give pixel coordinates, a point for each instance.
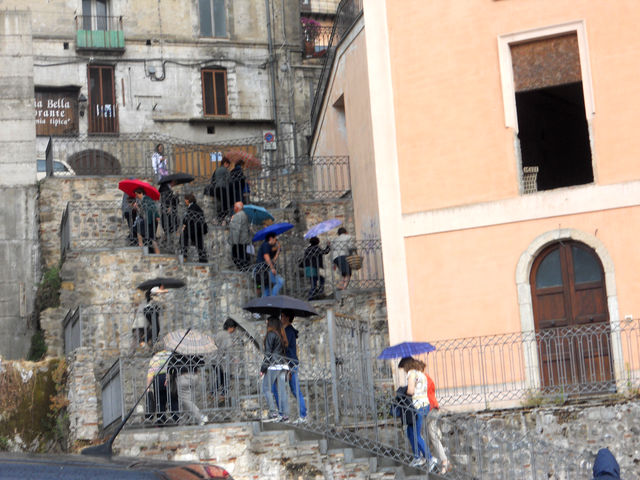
(103, 113)
(571, 319)
(554, 135)
(94, 162)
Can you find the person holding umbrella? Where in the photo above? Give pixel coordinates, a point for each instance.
(417, 388)
(146, 323)
(268, 254)
(146, 219)
(273, 371)
(291, 351)
(194, 227)
(239, 236)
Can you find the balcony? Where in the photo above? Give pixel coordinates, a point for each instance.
(101, 33)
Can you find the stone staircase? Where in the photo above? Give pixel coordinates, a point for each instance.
(266, 451)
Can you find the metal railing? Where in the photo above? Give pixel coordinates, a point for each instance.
(315, 40)
(314, 274)
(348, 12)
(535, 367)
(226, 386)
(99, 32)
(112, 398)
(112, 328)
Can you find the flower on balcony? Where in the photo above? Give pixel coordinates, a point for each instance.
(310, 28)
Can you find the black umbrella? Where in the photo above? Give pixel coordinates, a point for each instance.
(275, 304)
(165, 282)
(179, 178)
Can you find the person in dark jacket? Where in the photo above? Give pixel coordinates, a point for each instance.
(220, 180)
(194, 227)
(313, 262)
(291, 352)
(146, 220)
(605, 466)
(274, 370)
(237, 183)
(168, 209)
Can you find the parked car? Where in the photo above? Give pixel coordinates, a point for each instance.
(60, 168)
(21, 466)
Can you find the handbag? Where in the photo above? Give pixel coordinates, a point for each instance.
(355, 261)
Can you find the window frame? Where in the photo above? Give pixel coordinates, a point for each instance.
(97, 122)
(506, 66)
(213, 71)
(212, 10)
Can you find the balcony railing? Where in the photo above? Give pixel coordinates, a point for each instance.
(315, 40)
(99, 32)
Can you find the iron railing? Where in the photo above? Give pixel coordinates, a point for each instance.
(532, 367)
(112, 398)
(226, 386)
(348, 12)
(315, 40)
(314, 274)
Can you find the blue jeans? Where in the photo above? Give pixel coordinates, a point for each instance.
(414, 432)
(271, 380)
(294, 384)
(275, 284)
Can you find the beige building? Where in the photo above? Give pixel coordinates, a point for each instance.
(494, 145)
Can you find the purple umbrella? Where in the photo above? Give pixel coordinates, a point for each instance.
(406, 349)
(322, 227)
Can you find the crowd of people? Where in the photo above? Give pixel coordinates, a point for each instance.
(187, 227)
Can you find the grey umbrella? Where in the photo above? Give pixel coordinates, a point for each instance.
(275, 304)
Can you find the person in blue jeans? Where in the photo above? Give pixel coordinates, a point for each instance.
(265, 263)
(291, 352)
(417, 388)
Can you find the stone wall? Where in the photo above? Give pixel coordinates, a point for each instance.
(83, 397)
(19, 262)
(247, 453)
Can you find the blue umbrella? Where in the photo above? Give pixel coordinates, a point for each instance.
(257, 215)
(276, 228)
(406, 349)
(322, 227)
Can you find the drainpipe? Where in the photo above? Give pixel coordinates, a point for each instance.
(292, 110)
(272, 69)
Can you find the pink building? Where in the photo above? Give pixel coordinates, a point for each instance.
(493, 148)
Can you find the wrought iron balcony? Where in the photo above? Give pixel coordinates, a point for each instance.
(98, 32)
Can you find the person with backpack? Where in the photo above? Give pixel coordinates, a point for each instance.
(194, 227)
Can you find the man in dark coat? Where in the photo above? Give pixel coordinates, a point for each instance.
(606, 467)
(194, 227)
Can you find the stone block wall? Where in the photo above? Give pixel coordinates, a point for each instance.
(83, 397)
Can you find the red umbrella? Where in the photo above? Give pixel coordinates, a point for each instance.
(249, 160)
(130, 186)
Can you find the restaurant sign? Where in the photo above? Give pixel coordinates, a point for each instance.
(56, 112)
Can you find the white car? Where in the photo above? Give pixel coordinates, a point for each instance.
(60, 169)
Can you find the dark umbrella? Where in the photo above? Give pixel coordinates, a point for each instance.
(179, 178)
(165, 282)
(275, 304)
(276, 228)
(129, 186)
(406, 349)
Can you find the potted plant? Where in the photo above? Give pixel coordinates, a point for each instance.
(310, 31)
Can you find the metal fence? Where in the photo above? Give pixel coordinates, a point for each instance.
(532, 367)
(112, 328)
(315, 40)
(313, 274)
(346, 15)
(227, 387)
